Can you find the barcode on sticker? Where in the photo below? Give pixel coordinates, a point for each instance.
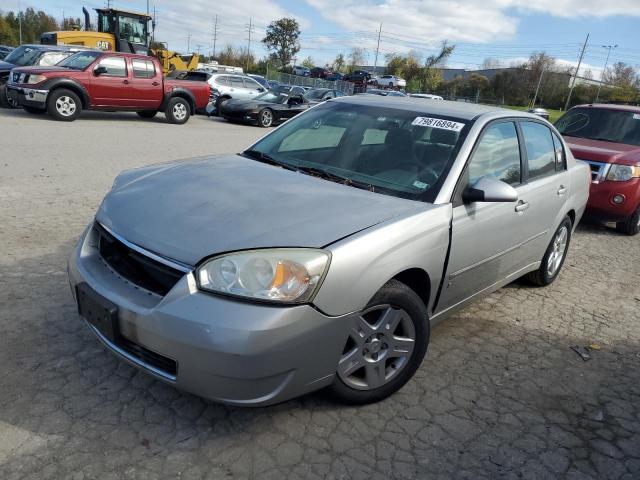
(438, 123)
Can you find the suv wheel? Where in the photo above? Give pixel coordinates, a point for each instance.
(178, 111)
(554, 256)
(64, 105)
(631, 226)
(386, 345)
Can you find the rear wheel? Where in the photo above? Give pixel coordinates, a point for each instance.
(554, 256)
(33, 110)
(631, 226)
(265, 118)
(147, 113)
(64, 105)
(178, 111)
(386, 345)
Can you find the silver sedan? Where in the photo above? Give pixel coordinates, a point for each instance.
(322, 255)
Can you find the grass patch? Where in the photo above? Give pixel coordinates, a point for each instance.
(553, 114)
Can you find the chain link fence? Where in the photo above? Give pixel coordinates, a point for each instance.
(297, 80)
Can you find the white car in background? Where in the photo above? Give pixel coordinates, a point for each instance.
(427, 95)
(239, 87)
(389, 81)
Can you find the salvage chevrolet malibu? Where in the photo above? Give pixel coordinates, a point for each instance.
(322, 254)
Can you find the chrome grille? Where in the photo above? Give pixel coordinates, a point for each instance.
(599, 170)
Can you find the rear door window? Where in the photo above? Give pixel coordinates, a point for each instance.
(236, 82)
(116, 66)
(541, 152)
(143, 68)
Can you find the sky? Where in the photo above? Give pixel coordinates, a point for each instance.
(505, 30)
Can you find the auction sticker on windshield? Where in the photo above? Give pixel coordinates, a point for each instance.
(437, 123)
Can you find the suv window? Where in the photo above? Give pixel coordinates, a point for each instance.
(116, 66)
(541, 153)
(252, 84)
(223, 80)
(52, 58)
(143, 68)
(236, 82)
(497, 155)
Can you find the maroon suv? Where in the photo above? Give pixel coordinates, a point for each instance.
(607, 137)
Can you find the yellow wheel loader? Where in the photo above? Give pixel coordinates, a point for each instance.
(120, 31)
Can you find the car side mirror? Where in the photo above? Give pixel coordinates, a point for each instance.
(489, 189)
(261, 89)
(99, 70)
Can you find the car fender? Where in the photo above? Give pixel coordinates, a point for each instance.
(69, 83)
(363, 262)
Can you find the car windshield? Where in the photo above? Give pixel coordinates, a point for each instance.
(390, 151)
(24, 56)
(80, 60)
(315, 94)
(609, 125)
(272, 97)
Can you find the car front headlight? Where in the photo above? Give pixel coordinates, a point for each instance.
(33, 79)
(282, 275)
(622, 173)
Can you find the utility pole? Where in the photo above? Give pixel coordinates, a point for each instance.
(535, 97)
(375, 63)
(249, 43)
(189, 43)
(604, 70)
(153, 25)
(573, 83)
(215, 35)
(20, 21)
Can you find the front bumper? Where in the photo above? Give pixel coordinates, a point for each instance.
(231, 351)
(602, 206)
(240, 115)
(31, 97)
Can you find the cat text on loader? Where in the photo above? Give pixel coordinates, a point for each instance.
(120, 31)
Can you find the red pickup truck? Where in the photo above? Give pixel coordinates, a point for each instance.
(106, 81)
(607, 137)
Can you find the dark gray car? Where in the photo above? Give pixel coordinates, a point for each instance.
(322, 255)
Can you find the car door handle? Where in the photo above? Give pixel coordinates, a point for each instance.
(155, 84)
(125, 81)
(522, 206)
(562, 190)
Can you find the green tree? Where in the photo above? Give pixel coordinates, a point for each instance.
(7, 34)
(282, 40)
(339, 63)
(356, 58)
(308, 62)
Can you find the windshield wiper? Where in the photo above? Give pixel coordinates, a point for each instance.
(266, 158)
(318, 172)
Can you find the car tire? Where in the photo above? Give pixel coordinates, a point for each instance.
(631, 226)
(178, 111)
(64, 105)
(375, 362)
(5, 101)
(33, 110)
(554, 256)
(219, 102)
(265, 118)
(390, 85)
(147, 113)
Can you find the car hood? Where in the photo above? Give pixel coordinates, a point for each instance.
(5, 66)
(40, 69)
(599, 151)
(189, 210)
(246, 104)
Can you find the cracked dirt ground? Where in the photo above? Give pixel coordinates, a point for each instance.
(500, 395)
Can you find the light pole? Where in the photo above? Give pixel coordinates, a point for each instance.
(609, 48)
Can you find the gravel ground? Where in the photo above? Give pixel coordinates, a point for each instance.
(500, 394)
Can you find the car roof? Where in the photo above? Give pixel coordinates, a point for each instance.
(60, 48)
(462, 110)
(611, 106)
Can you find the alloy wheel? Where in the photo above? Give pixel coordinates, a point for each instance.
(266, 118)
(558, 251)
(179, 111)
(66, 106)
(380, 345)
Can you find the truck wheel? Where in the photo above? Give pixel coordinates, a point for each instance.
(387, 343)
(265, 118)
(5, 101)
(631, 226)
(177, 111)
(554, 256)
(33, 110)
(64, 105)
(147, 113)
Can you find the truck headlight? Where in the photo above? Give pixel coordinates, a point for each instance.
(33, 79)
(282, 275)
(622, 173)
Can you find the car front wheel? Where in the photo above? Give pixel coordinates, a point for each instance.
(387, 343)
(554, 256)
(64, 105)
(265, 118)
(631, 226)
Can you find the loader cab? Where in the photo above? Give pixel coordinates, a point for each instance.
(129, 29)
